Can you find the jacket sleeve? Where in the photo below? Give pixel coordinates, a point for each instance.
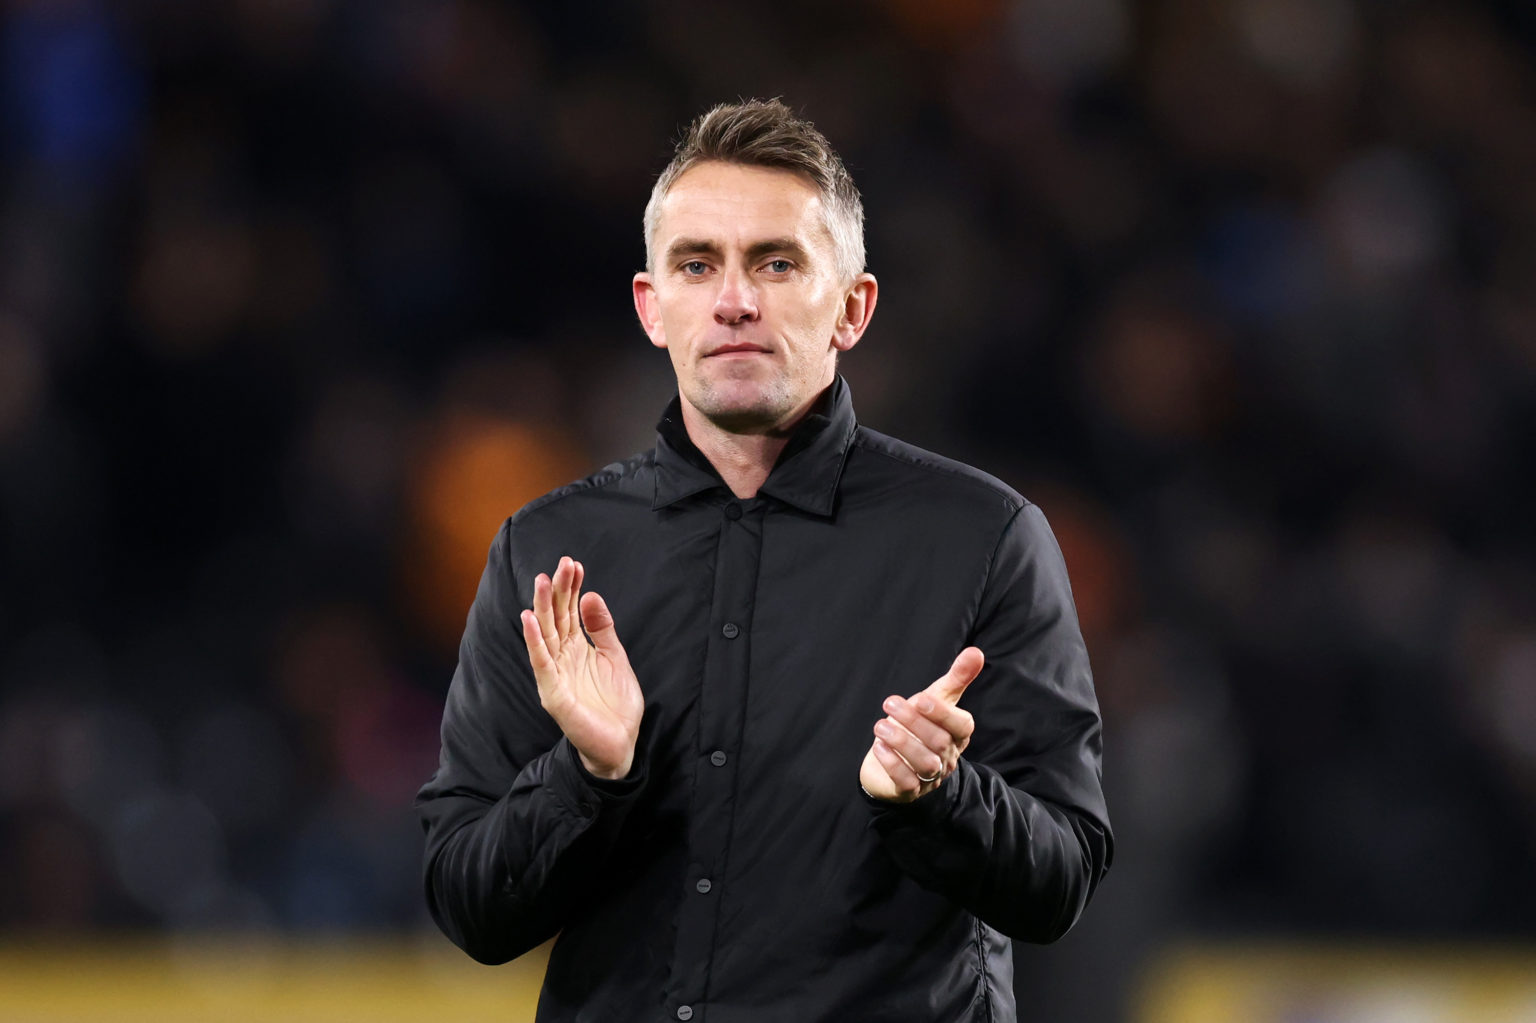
(1018, 834)
(516, 828)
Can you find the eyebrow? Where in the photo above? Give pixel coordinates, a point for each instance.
(703, 247)
(690, 247)
(788, 246)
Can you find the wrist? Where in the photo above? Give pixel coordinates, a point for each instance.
(615, 772)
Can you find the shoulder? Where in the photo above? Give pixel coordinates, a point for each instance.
(615, 484)
(928, 474)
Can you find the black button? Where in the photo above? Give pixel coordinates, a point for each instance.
(703, 886)
(685, 1012)
(717, 758)
(730, 630)
(587, 809)
(733, 511)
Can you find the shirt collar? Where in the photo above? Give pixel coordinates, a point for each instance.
(805, 476)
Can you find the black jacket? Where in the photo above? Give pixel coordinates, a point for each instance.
(740, 873)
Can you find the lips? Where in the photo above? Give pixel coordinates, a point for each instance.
(738, 348)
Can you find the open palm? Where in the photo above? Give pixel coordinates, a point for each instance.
(589, 688)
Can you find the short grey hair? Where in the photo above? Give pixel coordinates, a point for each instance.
(766, 133)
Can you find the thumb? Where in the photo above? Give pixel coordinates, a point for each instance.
(598, 621)
(960, 674)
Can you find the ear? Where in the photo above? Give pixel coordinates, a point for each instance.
(858, 310)
(648, 308)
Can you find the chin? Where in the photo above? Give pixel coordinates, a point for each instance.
(743, 420)
(749, 410)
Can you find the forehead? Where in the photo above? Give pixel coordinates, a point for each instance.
(734, 204)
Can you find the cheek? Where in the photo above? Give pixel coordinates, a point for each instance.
(686, 312)
(815, 319)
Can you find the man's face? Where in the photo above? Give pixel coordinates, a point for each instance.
(745, 295)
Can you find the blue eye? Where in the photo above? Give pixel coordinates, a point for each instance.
(779, 266)
(694, 268)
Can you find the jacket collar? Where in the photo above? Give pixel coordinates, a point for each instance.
(805, 476)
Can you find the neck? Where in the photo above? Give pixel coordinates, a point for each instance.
(743, 460)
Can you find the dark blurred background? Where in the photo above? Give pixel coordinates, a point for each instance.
(300, 298)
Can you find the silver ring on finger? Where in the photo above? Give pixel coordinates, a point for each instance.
(928, 781)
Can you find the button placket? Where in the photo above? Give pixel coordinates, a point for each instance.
(722, 700)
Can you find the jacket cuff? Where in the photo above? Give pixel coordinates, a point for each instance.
(583, 793)
(923, 812)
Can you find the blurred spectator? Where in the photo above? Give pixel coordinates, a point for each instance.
(298, 301)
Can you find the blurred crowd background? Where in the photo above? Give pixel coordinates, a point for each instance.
(300, 298)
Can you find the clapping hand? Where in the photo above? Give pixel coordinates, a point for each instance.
(920, 740)
(588, 688)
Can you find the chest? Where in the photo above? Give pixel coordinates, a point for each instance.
(776, 635)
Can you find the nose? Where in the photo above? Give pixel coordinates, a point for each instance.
(736, 302)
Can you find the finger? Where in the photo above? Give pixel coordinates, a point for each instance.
(924, 761)
(565, 576)
(932, 734)
(955, 721)
(877, 765)
(897, 769)
(561, 596)
(544, 610)
(599, 622)
(968, 664)
(573, 607)
(538, 652)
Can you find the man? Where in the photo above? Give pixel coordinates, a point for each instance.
(668, 775)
